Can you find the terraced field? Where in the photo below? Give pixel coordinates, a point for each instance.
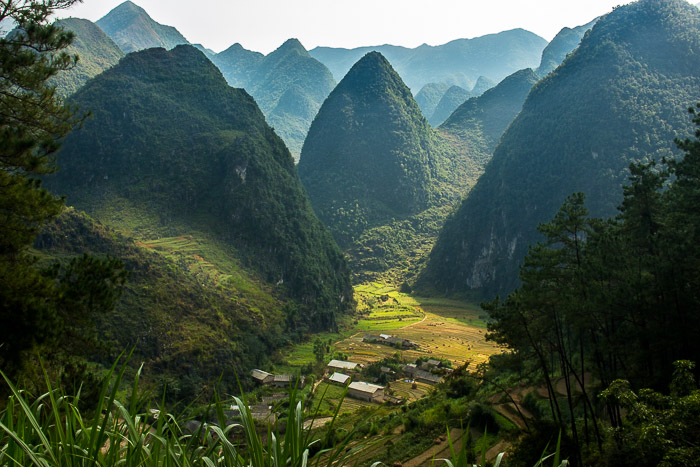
(441, 328)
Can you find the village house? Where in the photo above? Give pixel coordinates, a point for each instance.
(262, 377)
(366, 391)
(340, 365)
(285, 381)
(339, 378)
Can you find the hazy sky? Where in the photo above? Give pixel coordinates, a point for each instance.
(263, 25)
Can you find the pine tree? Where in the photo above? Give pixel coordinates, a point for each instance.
(32, 122)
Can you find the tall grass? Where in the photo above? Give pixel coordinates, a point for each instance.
(51, 430)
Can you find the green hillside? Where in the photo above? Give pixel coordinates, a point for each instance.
(190, 320)
(97, 53)
(429, 97)
(453, 98)
(237, 64)
(482, 85)
(377, 174)
(132, 29)
(563, 43)
(172, 150)
(460, 62)
(620, 97)
(481, 121)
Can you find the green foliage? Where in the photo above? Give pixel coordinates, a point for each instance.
(658, 429)
(52, 430)
(563, 44)
(617, 99)
(613, 299)
(33, 120)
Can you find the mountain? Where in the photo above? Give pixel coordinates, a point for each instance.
(481, 121)
(377, 174)
(237, 64)
(459, 62)
(620, 97)
(563, 43)
(173, 151)
(132, 29)
(97, 53)
(453, 98)
(429, 97)
(288, 85)
(482, 85)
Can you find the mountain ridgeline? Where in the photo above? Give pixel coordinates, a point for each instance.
(620, 97)
(97, 52)
(563, 43)
(460, 62)
(132, 29)
(173, 150)
(288, 85)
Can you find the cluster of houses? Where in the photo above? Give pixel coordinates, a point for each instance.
(341, 373)
(387, 339)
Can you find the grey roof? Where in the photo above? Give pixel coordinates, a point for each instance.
(339, 378)
(260, 374)
(342, 364)
(368, 388)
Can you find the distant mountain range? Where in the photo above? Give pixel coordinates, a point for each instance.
(460, 62)
(620, 97)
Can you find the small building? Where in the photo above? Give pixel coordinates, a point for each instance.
(339, 378)
(262, 377)
(427, 377)
(336, 365)
(410, 369)
(285, 381)
(366, 391)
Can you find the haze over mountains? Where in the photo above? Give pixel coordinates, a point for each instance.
(620, 97)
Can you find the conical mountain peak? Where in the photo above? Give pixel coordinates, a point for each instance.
(369, 147)
(292, 45)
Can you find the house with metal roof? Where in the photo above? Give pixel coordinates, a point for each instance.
(366, 391)
(262, 377)
(339, 378)
(336, 365)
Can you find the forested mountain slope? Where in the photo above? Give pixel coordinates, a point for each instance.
(563, 43)
(172, 150)
(453, 98)
(372, 164)
(96, 50)
(620, 97)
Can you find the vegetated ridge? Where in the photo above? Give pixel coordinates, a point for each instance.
(288, 85)
(459, 62)
(429, 97)
(453, 98)
(132, 29)
(173, 151)
(376, 171)
(96, 52)
(563, 43)
(620, 97)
